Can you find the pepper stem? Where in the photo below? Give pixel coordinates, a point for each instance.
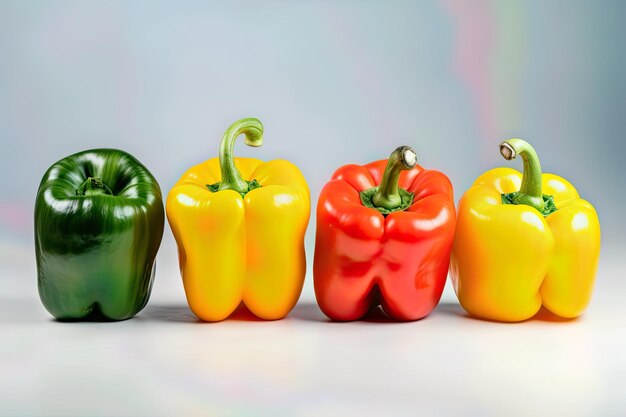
(93, 186)
(231, 177)
(388, 196)
(530, 192)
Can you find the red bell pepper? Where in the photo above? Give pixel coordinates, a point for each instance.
(384, 235)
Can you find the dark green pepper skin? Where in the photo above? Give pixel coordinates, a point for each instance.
(96, 241)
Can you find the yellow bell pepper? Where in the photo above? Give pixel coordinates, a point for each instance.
(239, 224)
(517, 248)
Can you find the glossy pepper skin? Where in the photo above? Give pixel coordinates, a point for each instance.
(399, 261)
(239, 224)
(98, 225)
(509, 259)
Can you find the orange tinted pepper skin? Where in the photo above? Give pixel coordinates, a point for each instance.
(364, 259)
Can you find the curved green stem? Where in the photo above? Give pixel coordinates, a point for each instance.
(93, 186)
(231, 177)
(530, 192)
(388, 196)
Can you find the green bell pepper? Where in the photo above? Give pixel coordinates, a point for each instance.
(98, 225)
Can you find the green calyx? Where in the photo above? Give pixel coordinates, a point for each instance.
(252, 185)
(530, 192)
(231, 177)
(548, 202)
(93, 186)
(406, 199)
(388, 197)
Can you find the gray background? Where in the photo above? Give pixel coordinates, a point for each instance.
(333, 83)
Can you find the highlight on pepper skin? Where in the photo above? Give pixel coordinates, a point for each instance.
(523, 241)
(384, 235)
(239, 224)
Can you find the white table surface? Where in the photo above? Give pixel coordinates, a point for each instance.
(164, 362)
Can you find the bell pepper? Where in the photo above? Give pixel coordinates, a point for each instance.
(384, 235)
(239, 224)
(99, 220)
(523, 241)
